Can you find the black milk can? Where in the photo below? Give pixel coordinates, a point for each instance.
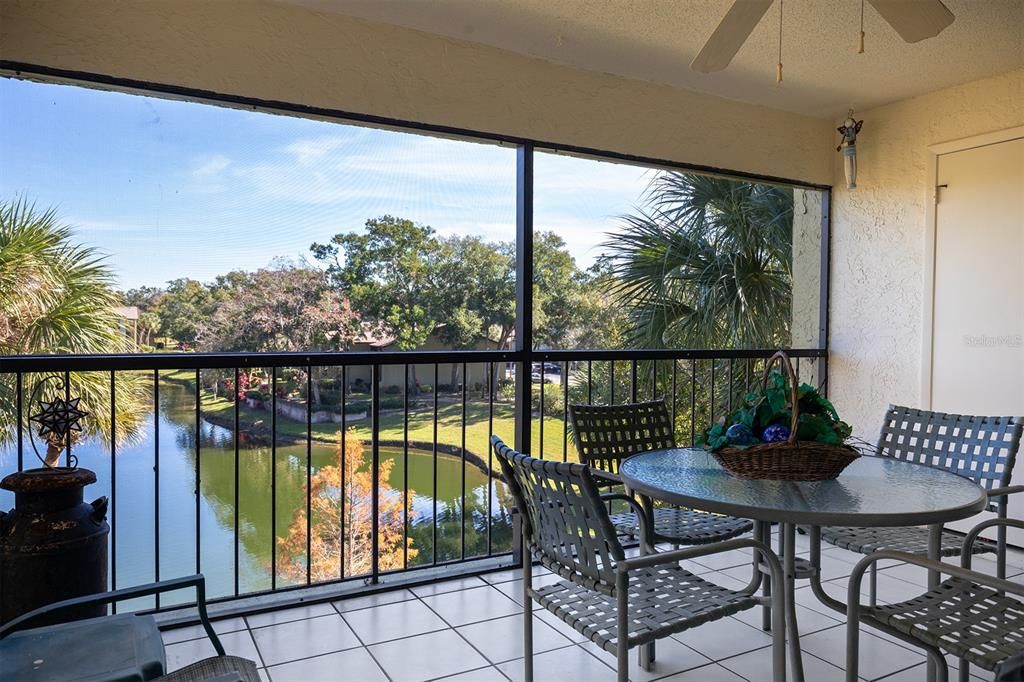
(53, 546)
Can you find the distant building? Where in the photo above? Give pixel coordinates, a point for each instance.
(128, 322)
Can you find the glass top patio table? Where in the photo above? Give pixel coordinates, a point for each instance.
(871, 491)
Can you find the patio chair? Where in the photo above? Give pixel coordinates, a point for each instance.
(970, 615)
(607, 434)
(120, 647)
(982, 449)
(617, 602)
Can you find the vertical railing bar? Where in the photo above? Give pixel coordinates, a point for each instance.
(540, 435)
(490, 450)
(675, 367)
(273, 478)
(113, 484)
(344, 471)
(462, 516)
(731, 390)
(235, 388)
(405, 470)
(199, 455)
(375, 474)
(19, 390)
(590, 382)
(611, 382)
(565, 411)
(156, 480)
(309, 473)
(67, 396)
(633, 380)
(433, 530)
(798, 371)
(693, 401)
(713, 413)
(654, 380)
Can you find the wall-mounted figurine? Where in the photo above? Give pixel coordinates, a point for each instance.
(848, 146)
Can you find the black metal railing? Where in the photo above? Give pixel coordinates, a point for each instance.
(270, 472)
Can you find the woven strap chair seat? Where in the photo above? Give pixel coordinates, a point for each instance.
(662, 600)
(684, 526)
(913, 539)
(963, 618)
(215, 668)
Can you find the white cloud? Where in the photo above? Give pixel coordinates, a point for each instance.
(210, 165)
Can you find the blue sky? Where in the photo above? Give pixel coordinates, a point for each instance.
(173, 189)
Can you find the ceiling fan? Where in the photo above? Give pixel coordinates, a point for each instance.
(913, 20)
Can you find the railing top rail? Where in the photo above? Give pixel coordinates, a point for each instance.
(170, 361)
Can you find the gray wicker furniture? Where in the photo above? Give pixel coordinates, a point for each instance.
(119, 647)
(607, 434)
(982, 449)
(976, 617)
(617, 602)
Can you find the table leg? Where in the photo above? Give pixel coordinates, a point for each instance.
(763, 533)
(787, 538)
(934, 553)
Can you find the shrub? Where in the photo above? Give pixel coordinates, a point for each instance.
(553, 399)
(394, 389)
(357, 407)
(507, 390)
(255, 395)
(426, 388)
(392, 403)
(444, 388)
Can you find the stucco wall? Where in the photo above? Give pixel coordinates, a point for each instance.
(878, 241)
(287, 53)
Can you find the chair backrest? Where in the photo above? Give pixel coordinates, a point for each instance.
(983, 449)
(607, 434)
(564, 522)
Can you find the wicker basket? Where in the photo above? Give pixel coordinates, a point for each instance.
(790, 460)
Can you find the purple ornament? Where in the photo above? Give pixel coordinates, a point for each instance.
(775, 433)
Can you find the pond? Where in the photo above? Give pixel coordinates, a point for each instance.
(138, 505)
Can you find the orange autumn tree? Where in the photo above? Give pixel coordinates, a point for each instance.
(328, 545)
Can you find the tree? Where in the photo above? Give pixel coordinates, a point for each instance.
(386, 273)
(556, 291)
(341, 538)
(147, 300)
(707, 263)
(183, 307)
(279, 310)
(56, 298)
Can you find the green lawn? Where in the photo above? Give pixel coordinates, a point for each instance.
(421, 423)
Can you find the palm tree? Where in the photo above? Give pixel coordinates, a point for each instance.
(706, 263)
(56, 297)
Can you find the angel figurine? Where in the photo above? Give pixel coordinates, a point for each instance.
(848, 146)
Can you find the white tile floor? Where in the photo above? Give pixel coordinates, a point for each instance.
(469, 630)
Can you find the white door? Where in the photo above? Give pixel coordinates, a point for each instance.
(978, 332)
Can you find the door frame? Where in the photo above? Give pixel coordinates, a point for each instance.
(931, 225)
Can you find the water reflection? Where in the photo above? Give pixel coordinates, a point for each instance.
(135, 503)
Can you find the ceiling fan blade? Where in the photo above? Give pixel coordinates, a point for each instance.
(915, 20)
(728, 38)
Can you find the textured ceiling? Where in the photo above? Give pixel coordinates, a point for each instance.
(655, 40)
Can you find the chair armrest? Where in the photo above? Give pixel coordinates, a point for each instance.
(857, 575)
(677, 555)
(968, 546)
(641, 515)
(195, 581)
(1007, 490)
(606, 477)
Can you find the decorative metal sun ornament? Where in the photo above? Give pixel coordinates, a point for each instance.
(59, 419)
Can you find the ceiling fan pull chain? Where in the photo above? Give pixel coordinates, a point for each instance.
(860, 48)
(778, 67)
